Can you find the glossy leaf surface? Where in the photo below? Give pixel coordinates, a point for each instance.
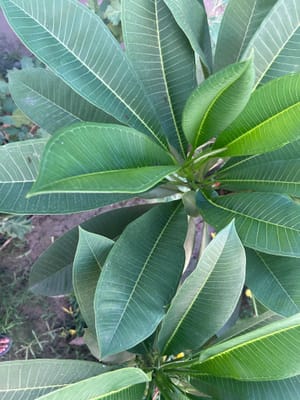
(269, 121)
(78, 47)
(19, 163)
(269, 223)
(51, 274)
(276, 45)
(278, 285)
(133, 291)
(102, 158)
(198, 310)
(126, 383)
(30, 379)
(49, 102)
(90, 256)
(241, 20)
(217, 102)
(163, 59)
(277, 345)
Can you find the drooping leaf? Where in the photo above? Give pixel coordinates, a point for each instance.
(277, 345)
(133, 291)
(240, 21)
(269, 121)
(278, 285)
(164, 60)
(233, 389)
(126, 383)
(90, 256)
(207, 298)
(49, 102)
(266, 222)
(191, 17)
(79, 48)
(276, 45)
(217, 102)
(103, 158)
(51, 274)
(19, 163)
(30, 379)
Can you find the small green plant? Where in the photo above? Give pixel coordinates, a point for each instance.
(139, 123)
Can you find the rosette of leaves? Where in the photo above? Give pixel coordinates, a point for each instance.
(138, 123)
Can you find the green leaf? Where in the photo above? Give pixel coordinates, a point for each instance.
(49, 102)
(241, 20)
(126, 383)
(30, 379)
(90, 256)
(78, 47)
(190, 15)
(287, 389)
(103, 158)
(276, 44)
(278, 285)
(278, 347)
(133, 291)
(164, 60)
(207, 298)
(217, 102)
(19, 163)
(276, 124)
(269, 223)
(51, 274)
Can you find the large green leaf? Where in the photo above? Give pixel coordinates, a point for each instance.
(133, 290)
(220, 389)
(51, 274)
(241, 20)
(105, 158)
(268, 353)
(19, 164)
(90, 256)
(269, 121)
(126, 383)
(49, 102)
(207, 298)
(276, 43)
(217, 102)
(190, 15)
(265, 222)
(164, 60)
(30, 379)
(78, 47)
(278, 286)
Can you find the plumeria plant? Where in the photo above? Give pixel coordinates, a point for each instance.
(200, 136)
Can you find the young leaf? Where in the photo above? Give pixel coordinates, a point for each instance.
(190, 15)
(31, 379)
(49, 102)
(217, 102)
(275, 124)
(133, 291)
(269, 223)
(126, 383)
(276, 43)
(90, 256)
(79, 48)
(207, 298)
(103, 158)
(278, 346)
(241, 20)
(278, 285)
(164, 61)
(19, 163)
(51, 274)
